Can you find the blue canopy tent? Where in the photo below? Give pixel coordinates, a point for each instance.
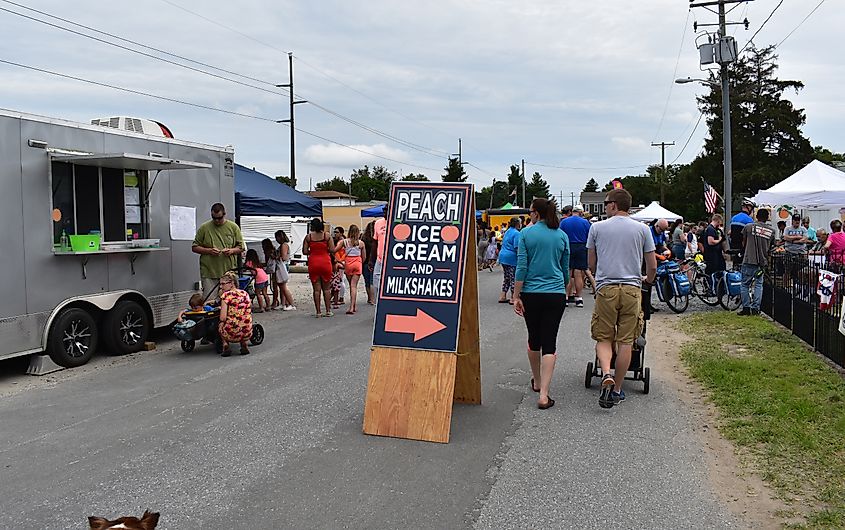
(258, 194)
(375, 211)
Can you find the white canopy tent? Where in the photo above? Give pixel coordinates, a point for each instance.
(655, 211)
(816, 185)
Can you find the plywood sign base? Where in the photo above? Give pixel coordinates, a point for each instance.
(410, 392)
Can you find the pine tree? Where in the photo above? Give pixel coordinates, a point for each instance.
(591, 186)
(454, 171)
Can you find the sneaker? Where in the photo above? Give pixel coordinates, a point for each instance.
(579, 302)
(755, 312)
(289, 308)
(328, 314)
(570, 300)
(617, 396)
(744, 312)
(605, 398)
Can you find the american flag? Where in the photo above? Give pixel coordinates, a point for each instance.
(711, 198)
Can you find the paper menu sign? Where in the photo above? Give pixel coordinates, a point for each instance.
(133, 214)
(131, 195)
(183, 223)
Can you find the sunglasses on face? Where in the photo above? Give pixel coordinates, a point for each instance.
(218, 218)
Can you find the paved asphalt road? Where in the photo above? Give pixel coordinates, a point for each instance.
(273, 440)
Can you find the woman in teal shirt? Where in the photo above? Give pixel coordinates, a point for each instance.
(507, 258)
(540, 291)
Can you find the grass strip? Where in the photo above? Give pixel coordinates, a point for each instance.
(780, 403)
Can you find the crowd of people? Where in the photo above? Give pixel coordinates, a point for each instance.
(547, 261)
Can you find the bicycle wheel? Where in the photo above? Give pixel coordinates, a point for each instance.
(676, 303)
(728, 301)
(701, 288)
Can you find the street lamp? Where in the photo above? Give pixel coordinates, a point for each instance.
(727, 162)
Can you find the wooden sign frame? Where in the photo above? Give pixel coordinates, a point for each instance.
(410, 392)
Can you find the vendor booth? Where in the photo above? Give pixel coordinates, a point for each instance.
(817, 189)
(375, 211)
(655, 211)
(264, 205)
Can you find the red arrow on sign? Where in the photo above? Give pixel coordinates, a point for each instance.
(421, 325)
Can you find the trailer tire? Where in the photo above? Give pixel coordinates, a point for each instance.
(73, 338)
(125, 328)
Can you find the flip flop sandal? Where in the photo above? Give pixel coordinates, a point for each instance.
(534, 388)
(547, 405)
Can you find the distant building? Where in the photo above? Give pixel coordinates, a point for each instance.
(593, 202)
(333, 198)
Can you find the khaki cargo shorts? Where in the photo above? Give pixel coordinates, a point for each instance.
(618, 314)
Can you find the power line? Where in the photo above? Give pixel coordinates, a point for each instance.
(151, 56)
(800, 24)
(674, 75)
(388, 136)
(123, 39)
(700, 115)
(242, 34)
(309, 65)
(200, 106)
(133, 91)
(761, 27)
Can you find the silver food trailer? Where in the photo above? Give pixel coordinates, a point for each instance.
(95, 250)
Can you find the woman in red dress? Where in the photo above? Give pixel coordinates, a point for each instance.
(319, 247)
(235, 314)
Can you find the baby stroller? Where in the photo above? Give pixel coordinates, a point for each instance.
(199, 325)
(636, 369)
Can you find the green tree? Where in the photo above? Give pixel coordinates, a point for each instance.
(454, 171)
(827, 156)
(410, 177)
(372, 185)
(538, 187)
(288, 181)
(591, 186)
(766, 137)
(335, 184)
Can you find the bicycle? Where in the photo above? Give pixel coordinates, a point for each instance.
(722, 288)
(702, 283)
(673, 286)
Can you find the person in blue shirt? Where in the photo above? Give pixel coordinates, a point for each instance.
(539, 293)
(507, 258)
(738, 222)
(576, 229)
(658, 235)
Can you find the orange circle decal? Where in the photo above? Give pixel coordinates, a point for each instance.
(401, 232)
(450, 233)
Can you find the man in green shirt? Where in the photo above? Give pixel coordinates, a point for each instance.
(218, 242)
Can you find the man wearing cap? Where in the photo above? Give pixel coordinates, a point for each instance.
(795, 237)
(577, 229)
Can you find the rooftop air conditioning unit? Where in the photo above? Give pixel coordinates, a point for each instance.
(139, 125)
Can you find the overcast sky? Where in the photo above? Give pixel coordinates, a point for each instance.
(557, 83)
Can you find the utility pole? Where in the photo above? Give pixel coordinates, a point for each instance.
(572, 199)
(662, 146)
(291, 120)
(523, 183)
(725, 53)
(492, 192)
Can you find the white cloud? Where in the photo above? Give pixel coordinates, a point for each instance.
(630, 144)
(333, 155)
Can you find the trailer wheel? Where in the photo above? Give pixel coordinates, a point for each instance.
(188, 345)
(73, 338)
(125, 328)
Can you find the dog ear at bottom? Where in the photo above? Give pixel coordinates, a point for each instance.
(97, 523)
(149, 520)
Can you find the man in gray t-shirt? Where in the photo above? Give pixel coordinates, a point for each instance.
(616, 250)
(795, 237)
(757, 240)
(619, 252)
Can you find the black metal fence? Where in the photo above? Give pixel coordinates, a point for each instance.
(791, 296)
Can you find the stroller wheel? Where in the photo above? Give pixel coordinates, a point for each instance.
(646, 380)
(588, 379)
(257, 335)
(188, 345)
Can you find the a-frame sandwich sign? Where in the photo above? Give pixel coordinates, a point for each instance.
(425, 339)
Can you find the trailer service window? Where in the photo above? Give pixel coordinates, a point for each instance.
(105, 200)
